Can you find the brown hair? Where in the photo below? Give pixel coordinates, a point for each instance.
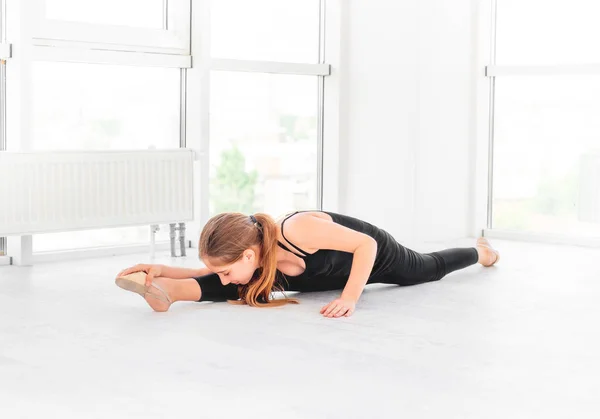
(225, 237)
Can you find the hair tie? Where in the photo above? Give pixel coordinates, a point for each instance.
(255, 221)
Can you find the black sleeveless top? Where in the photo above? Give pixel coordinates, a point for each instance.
(325, 269)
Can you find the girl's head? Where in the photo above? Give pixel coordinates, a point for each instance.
(242, 250)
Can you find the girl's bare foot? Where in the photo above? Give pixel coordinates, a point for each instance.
(488, 256)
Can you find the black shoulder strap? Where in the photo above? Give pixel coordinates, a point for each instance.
(293, 245)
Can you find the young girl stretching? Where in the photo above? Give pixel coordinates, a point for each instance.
(249, 257)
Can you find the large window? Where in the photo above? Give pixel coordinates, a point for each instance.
(546, 154)
(102, 75)
(104, 107)
(263, 131)
(265, 105)
(547, 137)
(125, 108)
(118, 75)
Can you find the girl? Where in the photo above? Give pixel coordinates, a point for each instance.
(249, 257)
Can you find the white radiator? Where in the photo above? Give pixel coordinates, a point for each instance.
(61, 191)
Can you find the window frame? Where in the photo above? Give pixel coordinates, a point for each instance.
(332, 16)
(483, 200)
(37, 39)
(173, 39)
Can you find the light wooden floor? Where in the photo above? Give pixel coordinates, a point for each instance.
(520, 340)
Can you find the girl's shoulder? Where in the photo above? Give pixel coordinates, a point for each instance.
(303, 215)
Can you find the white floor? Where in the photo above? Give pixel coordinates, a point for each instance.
(520, 340)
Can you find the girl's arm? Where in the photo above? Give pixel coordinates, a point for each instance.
(310, 232)
(181, 273)
(164, 270)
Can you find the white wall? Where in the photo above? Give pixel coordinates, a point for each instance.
(407, 116)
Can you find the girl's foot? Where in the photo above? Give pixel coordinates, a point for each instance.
(160, 298)
(157, 295)
(488, 256)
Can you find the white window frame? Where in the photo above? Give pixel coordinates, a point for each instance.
(29, 45)
(326, 69)
(32, 44)
(484, 171)
(174, 38)
(4, 54)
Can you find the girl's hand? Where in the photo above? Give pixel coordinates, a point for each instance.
(338, 308)
(152, 271)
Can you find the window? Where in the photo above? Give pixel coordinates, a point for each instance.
(547, 140)
(546, 150)
(263, 132)
(156, 26)
(266, 105)
(104, 107)
(133, 13)
(108, 75)
(271, 30)
(537, 32)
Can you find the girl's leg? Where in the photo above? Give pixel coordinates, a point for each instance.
(455, 259)
(416, 268)
(450, 260)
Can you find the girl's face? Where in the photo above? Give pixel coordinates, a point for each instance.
(239, 272)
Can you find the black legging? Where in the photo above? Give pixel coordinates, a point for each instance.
(414, 268)
(417, 268)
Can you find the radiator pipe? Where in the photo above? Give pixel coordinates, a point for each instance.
(182, 238)
(172, 239)
(153, 229)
